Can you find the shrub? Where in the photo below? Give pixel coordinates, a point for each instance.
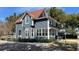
(71, 36)
(34, 40)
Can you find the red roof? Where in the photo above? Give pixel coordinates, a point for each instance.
(34, 15)
(18, 21)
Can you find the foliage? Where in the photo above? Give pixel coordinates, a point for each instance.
(11, 22)
(66, 46)
(71, 31)
(70, 20)
(34, 40)
(57, 14)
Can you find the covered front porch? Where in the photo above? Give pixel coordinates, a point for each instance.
(53, 33)
(44, 33)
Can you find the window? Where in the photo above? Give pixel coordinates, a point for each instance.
(51, 23)
(38, 32)
(54, 24)
(44, 32)
(26, 33)
(52, 32)
(41, 32)
(26, 19)
(19, 32)
(32, 32)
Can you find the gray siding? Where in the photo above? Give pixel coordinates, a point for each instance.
(18, 27)
(23, 26)
(29, 22)
(41, 24)
(26, 25)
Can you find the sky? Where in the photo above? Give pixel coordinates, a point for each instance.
(7, 11)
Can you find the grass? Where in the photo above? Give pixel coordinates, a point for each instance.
(68, 45)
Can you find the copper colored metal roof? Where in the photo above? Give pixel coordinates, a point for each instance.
(36, 14)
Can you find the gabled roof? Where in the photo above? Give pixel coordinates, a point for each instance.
(18, 21)
(36, 14)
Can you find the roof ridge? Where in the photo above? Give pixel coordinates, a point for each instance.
(35, 14)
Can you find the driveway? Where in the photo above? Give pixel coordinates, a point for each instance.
(17, 46)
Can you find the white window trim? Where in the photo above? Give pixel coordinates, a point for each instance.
(26, 32)
(42, 32)
(38, 32)
(32, 32)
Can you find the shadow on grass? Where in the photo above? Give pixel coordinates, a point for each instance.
(18, 47)
(67, 46)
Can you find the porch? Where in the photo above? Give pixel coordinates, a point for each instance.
(41, 33)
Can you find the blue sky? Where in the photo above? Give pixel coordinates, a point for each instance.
(6, 11)
(70, 10)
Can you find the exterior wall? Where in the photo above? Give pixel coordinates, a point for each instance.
(18, 27)
(23, 26)
(26, 25)
(41, 24)
(54, 24)
(54, 27)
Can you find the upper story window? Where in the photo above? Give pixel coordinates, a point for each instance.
(51, 23)
(26, 19)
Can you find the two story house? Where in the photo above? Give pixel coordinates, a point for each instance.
(37, 24)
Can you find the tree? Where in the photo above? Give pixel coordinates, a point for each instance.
(57, 14)
(71, 31)
(11, 22)
(72, 21)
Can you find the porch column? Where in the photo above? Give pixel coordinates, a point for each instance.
(48, 30)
